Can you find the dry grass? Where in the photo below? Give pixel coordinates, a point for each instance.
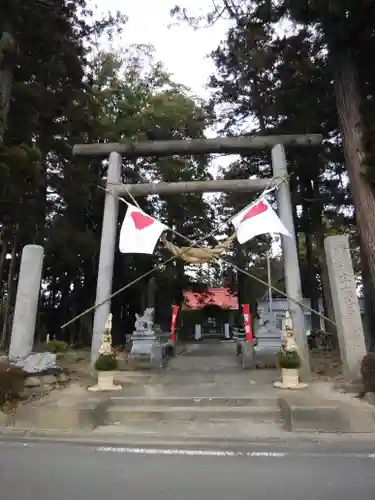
(326, 365)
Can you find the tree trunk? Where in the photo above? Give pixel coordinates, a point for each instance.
(8, 300)
(312, 285)
(8, 53)
(3, 254)
(319, 232)
(348, 104)
(293, 194)
(65, 284)
(369, 305)
(326, 287)
(308, 222)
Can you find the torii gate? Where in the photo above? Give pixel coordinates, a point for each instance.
(230, 145)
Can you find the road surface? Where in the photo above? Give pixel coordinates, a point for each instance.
(57, 471)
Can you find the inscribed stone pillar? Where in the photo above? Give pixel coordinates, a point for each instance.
(28, 290)
(346, 306)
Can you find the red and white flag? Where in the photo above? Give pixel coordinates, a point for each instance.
(173, 323)
(139, 232)
(247, 322)
(258, 218)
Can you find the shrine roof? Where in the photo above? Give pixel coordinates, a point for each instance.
(219, 297)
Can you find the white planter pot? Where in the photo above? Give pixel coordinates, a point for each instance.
(105, 382)
(290, 377)
(290, 380)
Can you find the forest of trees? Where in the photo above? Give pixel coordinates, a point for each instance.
(285, 66)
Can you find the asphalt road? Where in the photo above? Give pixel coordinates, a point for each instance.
(54, 471)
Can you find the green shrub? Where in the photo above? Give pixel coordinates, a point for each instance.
(56, 346)
(78, 359)
(12, 382)
(105, 363)
(288, 359)
(368, 372)
(78, 346)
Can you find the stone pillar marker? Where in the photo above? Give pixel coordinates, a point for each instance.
(25, 313)
(345, 304)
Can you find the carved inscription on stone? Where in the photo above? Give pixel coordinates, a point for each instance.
(345, 281)
(345, 302)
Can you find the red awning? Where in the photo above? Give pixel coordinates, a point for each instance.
(219, 297)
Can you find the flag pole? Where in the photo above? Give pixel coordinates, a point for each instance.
(269, 281)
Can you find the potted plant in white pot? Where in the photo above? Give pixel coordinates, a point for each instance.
(289, 362)
(288, 359)
(105, 367)
(106, 364)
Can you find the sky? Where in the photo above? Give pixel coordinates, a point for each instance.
(183, 50)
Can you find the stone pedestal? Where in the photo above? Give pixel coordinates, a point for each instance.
(345, 304)
(226, 331)
(247, 353)
(146, 345)
(27, 300)
(198, 332)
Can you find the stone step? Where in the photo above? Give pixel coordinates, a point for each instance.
(125, 414)
(198, 401)
(324, 416)
(194, 433)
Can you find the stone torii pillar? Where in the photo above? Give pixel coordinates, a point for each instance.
(292, 275)
(107, 253)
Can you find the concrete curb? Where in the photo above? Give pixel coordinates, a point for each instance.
(87, 439)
